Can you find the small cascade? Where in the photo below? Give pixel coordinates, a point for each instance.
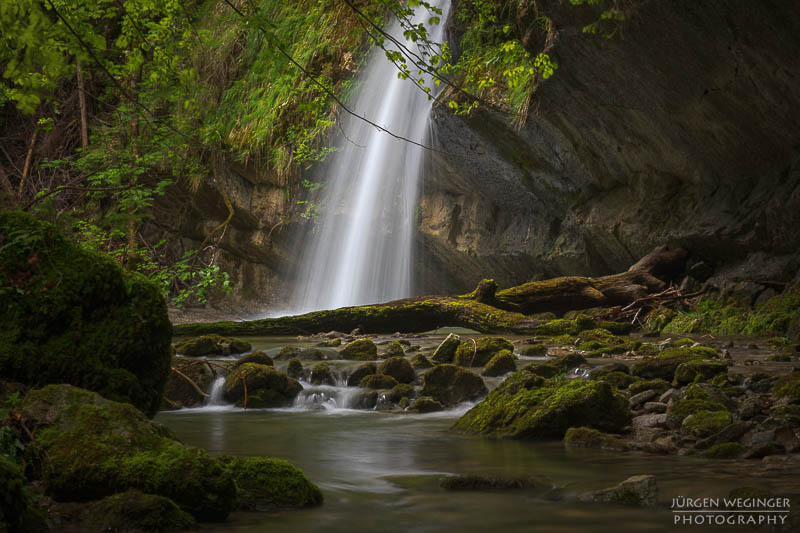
(215, 396)
(326, 397)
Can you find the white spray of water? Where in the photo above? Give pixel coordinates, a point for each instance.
(215, 396)
(361, 250)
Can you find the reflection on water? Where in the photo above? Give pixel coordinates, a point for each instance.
(379, 472)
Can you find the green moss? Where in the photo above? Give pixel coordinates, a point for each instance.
(295, 369)
(212, 345)
(696, 392)
(478, 353)
(771, 318)
(378, 381)
(699, 370)
(705, 423)
(18, 512)
(399, 368)
(134, 510)
(267, 484)
(501, 363)
(401, 391)
(451, 384)
(664, 365)
(527, 407)
(259, 357)
(266, 387)
(583, 437)
(617, 328)
(647, 348)
(653, 384)
(556, 365)
(788, 386)
(618, 380)
(419, 361)
(72, 316)
(680, 409)
(394, 348)
(601, 341)
(426, 404)
(688, 353)
(725, 450)
(534, 350)
(360, 350)
(321, 374)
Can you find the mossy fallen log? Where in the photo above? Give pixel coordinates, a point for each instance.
(410, 314)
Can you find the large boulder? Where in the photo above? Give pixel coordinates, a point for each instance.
(399, 368)
(95, 448)
(180, 390)
(502, 363)
(447, 349)
(360, 350)
(267, 484)
(212, 345)
(74, 316)
(527, 406)
(265, 386)
(451, 384)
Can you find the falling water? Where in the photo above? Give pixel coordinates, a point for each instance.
(215, 396)
(361, 250)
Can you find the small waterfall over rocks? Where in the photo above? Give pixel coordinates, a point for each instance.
(361, 250)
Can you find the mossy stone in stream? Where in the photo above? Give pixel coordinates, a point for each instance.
(478, 353)
(524, 408)
(600, 341)
(378, 381)
(268, 484)
(133, 510)
(18, 512)
(501, 363)
(95, 448)
(680, 409)
(451, 384)
(788, 387)
(360, 350)
(705, 423)
(260, 357)
(399, 368)
(403, 390)
(354, 379)
(212, 345)
(295, 369)
(725, 450)
(447, 349)
(179, 392)
(701, 370)
(664, 365)
(556, 365)
(641, 385)
(426, 404)
(394, 348)
(419, 361)
(534, 350)
(322, 374)
(618, 380)
(74, 316)
(266, 387)
(583, 437)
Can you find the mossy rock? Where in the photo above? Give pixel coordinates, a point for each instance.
(420, 362)
(556, 365)
(534, 350)
(501, 363)
(617, 328)
(583, 437)
(266, 387)
(696, 392)
(298, 352)
(179, 392)
(73, 316)
(702, 370)
(618, 380)
(451, 384)
(426, 404)
(788, 386)
(402, 390)
(690, 353)
(472, 353)
(18, 512)
(394, 348)
(367, 369)
(378, 382)
(259, 357)
(447, 349)
(647, 348)
(267, 484)
(664, 365)
(360, 350)
(322, 374)
(680, 409)
(399, 368)
(523, 408)
(600, 341)
(295, 369)
(483, 483)
(724, 450)
(96, 448)
(599, 371)
(134, 510)
(212, 345)
(703, 424)
(658, 385)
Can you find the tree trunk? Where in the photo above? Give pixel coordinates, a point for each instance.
(82, 102)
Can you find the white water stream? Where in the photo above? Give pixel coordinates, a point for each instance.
(361, 250)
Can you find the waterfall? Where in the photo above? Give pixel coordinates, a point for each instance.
(361, 249)
(215, 396)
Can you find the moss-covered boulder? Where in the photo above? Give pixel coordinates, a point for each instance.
(618, 380)
(420, 362)
(134, 510)
(788, 387)
(599, 341)
(705, 423)
(180, 390)
(447, 349)
(18, 512)
(295, 369)
(426, 404)
(501, 363)
(266, 387)
(399, 368)
(355, 377)
(96, 447)
(288, 353)
(403, 390)
(73, 316)
(206, 345)
(526, 406)
(451, 384)
(680, 409)
(478, 353)
(724, 450)
(556, 365)
(360, 350)
(700, 370)
(267, 484)
(641, 385)
(583, 437)
(394, 348)
(378, 382)
(664, 365)
(322, 374)
(259, 357)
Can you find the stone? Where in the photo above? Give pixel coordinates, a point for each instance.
(212, 345)
(731, 433)
(451, 385)
(178, 392)
(354, 379)
(378, 381)
(473, 353)
(266, 387)
(426, 404)
(638, 399)
(420, 362)
(295, 369)
(269, 484)
(259, 357)
(399, 368)
(649, 421)
(394, 348)
(692, 371)
(304, 354)
(641, 491)
(322, 374)
(655, 407)
(447, 349)
(583, 437)
(360, 350)
(501, 363)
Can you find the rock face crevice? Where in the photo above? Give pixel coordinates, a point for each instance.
(682, 130)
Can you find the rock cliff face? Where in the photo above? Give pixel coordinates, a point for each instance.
(683, 129)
